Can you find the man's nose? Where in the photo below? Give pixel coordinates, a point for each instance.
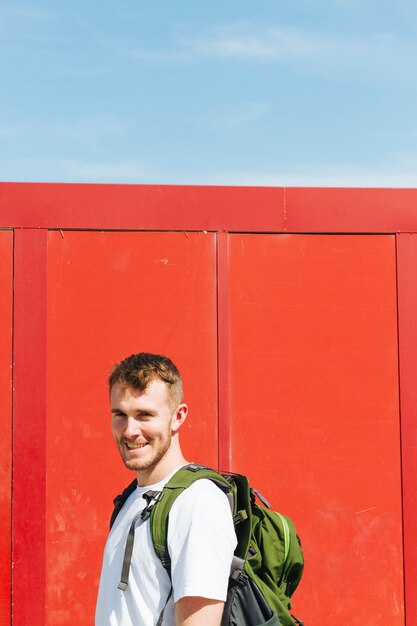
(132, 427)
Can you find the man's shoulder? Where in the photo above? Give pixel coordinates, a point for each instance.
(202, 493)
(201, 515)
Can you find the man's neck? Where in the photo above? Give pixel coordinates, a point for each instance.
(164, 469)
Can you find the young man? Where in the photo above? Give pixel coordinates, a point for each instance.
(147, 414)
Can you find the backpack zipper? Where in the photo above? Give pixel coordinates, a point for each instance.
(286, 529)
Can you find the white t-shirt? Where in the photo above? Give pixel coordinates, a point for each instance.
(201, 542)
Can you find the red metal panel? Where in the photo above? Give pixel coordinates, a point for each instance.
(407, 311)
(109, 295)
(314, 411)
(350, 210)
(6, 277)
(28, 547)
(141, 207)
(223, 334)
(172, 207)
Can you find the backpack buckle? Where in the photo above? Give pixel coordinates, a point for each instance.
(151, 497)
(236, 570)
(194, 467)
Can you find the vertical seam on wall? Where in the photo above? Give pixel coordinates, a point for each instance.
(401, 431)
(29, 427)
(12, 433)
(285, 217)
(224, 435)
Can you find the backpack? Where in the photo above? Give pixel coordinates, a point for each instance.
(268, 562)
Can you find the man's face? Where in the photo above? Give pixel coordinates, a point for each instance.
(142, 424)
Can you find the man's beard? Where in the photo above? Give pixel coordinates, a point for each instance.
(158, 454)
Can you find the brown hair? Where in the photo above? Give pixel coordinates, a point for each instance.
(138, 370)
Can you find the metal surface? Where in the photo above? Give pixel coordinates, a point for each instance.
(146, 207)
(223, 333)
(175, 207)
(29, 398)
(350, 210)
(316, 313)
(314, 411)
(6, 275)
(407, 313)
(109, 295)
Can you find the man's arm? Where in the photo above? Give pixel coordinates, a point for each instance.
(201, 541)
(197, 611)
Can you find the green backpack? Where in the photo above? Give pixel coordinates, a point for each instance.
(268, 562)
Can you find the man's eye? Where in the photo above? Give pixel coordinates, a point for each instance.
(145, 416)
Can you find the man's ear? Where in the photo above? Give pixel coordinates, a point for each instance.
(179, 417)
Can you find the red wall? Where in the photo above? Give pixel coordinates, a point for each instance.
(289, 344)
(6, 291)
(111, 294)
(314, 410)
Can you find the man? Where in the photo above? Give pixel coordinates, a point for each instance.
(147, 414)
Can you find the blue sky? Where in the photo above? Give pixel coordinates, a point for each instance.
(272, 92)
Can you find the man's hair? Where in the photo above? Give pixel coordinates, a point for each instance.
(138, 370)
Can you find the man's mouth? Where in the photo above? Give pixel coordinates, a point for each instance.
(134, 446)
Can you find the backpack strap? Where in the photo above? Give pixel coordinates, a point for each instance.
(181, 480)
(235, 487)
(151, 497)
(121, 499)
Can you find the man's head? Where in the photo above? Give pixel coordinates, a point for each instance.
(137, 371)
(147, 413)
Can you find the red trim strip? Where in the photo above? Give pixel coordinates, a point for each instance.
(140, 207)
(225, 440)
(6, 293)
(407, 307)
(171, 207)
(350, 210)
(29, 406)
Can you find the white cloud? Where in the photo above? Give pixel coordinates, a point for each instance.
(290, 45)
(325, 175)
(71, 170)
(329, 176)
(128, 171)
(85, 131)
(234, 116)
(242, 41)
(160, 56)
(19, 15)
(137, 171)
(382, 54)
